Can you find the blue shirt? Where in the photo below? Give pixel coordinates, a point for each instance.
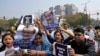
(43, 47)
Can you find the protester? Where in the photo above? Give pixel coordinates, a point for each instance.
(97, 44)
(90, 32)
(97, 29)
(81, 46)
(39, 47)
(8, 49)
(7, 41)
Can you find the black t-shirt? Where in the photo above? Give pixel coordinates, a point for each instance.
(86, 48)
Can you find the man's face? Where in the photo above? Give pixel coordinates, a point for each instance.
(49, 17)
(79, 37)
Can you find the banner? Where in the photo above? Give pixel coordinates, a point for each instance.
(27, 33)
(24, 35)
(22, 44)
(50, 20)
(59, 49)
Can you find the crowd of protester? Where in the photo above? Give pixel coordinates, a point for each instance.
(84, 41)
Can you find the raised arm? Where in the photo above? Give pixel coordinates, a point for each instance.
(70, 33)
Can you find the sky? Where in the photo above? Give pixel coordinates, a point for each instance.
(16, 8)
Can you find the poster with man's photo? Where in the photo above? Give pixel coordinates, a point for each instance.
(50, 20)
(27, 33)
(59, 49)
(24, 35)
(27, 19)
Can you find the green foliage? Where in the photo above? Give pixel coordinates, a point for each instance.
(77, 19)
(7, 24)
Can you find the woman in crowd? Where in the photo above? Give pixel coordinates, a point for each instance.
(58, 37)
(39, 47)
(7, 41)
(8, 49)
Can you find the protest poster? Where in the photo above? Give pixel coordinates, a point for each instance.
(27, 20)
(49, 20)
(24, 36)
(22, 44)
(59, 49)
(13, 52)
(27, 33)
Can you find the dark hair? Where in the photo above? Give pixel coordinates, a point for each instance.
(4, 46)
(40, 34)
(79, 30)
(97, 27)
(60, 34)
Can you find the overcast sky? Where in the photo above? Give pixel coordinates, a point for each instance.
(16, 8)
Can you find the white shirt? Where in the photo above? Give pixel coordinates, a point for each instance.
(90, 33)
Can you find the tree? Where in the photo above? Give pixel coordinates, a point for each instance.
(77, 19)
(7, 24)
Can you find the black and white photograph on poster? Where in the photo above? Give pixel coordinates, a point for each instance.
(27, 19)
(59, 49)
(27, 33)
(50, 20)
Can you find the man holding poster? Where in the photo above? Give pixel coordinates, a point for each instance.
(50, 20)
(80, 45)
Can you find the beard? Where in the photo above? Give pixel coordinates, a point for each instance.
(79, 41)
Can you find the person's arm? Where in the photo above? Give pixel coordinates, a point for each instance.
(90, 39)
(91, 50)
(51, 40)
(45, 52)
(40, 26)
(71, 34)
(66, 41)
(36, 53)
(47, 49)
